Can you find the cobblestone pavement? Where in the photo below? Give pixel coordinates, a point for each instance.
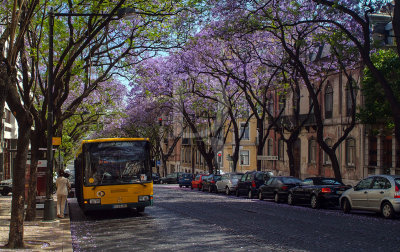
(38, 235)
(183, 220)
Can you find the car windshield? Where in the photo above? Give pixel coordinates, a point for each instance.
(329, 182)
(236, 176)
(291, 180)
(397, 181)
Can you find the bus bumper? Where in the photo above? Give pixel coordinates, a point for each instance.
(92, 207)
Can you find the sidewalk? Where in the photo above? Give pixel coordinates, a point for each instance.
(38, 235)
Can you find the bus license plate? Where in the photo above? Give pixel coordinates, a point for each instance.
(120, 206)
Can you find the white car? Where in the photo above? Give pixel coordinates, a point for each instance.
(378, 193)
(228, 182)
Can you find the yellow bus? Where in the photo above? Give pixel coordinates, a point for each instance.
(114, 173)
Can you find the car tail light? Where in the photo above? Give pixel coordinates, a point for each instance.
(212, 182)
(285, 187)
(253, 184)
(397, 192)
(326, 190)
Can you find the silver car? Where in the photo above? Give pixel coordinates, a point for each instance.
(378, 193)
(228, 182)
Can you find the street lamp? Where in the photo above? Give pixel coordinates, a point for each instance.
(49, 210)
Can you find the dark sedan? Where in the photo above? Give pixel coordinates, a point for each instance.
(171, 178)
(6, 187)
(209, 183)
(251, 181)
(277, 188)
(317, 191)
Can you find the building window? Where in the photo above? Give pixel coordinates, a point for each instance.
(270, 147)
(350, 151)
(270, 105)
(7, 116)
(282, 102)
(296, 102)
(328, 101)
(244, 157)
(349, 100)
(312, 151)
(281, 150)
(327, 160)
(245, 129)
(373, 151)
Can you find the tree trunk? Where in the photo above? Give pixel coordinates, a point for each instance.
(32, 183)
(289, 152)
(16, 234)
(335, 164)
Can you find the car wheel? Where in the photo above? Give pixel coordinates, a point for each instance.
(227, 191)
(191, 187)
(199, 188)
(180, 186)
(387, 210)
(315, 202)
(276, 198)
(260, 197)
(237, 193)
(250, 195)
(290, 199)
(210, 189)
(346, 206)
(202, 189)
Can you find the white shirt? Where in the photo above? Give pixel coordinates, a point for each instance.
(62, 184)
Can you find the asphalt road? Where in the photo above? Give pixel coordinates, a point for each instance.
(186, 220)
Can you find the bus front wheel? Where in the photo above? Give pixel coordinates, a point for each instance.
(140, 209)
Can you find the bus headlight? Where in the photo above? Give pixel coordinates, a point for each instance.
(94, 201)
(144, 198)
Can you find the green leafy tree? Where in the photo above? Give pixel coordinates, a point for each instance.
(377, 109)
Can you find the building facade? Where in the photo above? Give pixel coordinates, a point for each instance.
(9, 136)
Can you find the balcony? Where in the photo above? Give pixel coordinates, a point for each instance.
(290, 120)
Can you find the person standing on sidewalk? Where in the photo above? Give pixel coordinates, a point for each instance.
(62, 184)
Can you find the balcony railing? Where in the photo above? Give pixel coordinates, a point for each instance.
(290, 120)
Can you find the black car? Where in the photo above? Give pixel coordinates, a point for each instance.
(251, 181)
(156, 178)
(277, 188)
(6, 187)
(317, 191)
(208, 183)
(171, 178)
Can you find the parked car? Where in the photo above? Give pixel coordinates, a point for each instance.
(228, 183)
(185, 179)
(251, 181)
(317, 191)
(277, 188)
(378, 193)
(171, 178)
(209, 183)
(198, 181)
(156, 178)
(5, 187)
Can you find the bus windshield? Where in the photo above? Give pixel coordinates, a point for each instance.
(113, 163)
